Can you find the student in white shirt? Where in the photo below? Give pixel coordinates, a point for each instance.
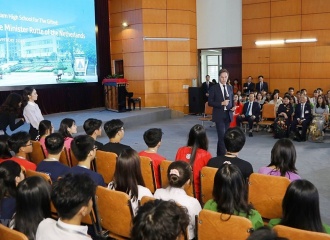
(179, 175)
(72, 198)
(128, 177)
(31, 112)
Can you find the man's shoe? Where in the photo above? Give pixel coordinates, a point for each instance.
(250, 134)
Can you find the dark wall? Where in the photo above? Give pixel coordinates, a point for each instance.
(232, 61)
(71, 97)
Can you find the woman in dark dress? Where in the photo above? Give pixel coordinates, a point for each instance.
(284, 117)
(9, 111)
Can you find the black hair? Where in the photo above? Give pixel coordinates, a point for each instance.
(197, 139)
(32, 205)
(54, 143)
(128, 174)
(26, 93)
(300, 207)
(264, 233)
(260, 76)
(283, 156)
(71, 192)
(4, 149)
(112, 127)
(223, 70)
(81, 146)
(178, 173)
(234, 139)
(161, 220)
(65, 124)
(230, 191)
(152, 137)
(11, 104)
(287, 96)
(45, 125)
(291, 88)
(9, 170)
(18, 140)
(92, 124)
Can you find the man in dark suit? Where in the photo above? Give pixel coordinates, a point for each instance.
(221, 99)
(251, 113)
(302, 116)
(206, 87)
(261, 85)
(248, 86)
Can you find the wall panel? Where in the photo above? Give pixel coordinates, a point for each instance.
(260, 55)
(156, 100)
(182, 72)
(254, 70)
(315, 6)
(181, 58)
(284, 84)
(155, 58)
(286, 24)
(283, 54)
(315, 54)
(156, 86)
(181, 17)
(315, 21)
(285, 8)
(259, 25)
(154, 16)
(284, 70)
(261, 10)
(253, 1)
(155, 72)
(159, 4)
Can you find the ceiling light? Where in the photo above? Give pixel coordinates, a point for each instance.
(124, 24)
(269, 42)
(164, 39)
(301, 40)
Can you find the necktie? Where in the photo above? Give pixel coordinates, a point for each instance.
(207, 84)
(248, 110)
(226, 96)
(260, 86)
(302, 111)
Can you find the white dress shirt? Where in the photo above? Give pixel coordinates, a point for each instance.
(32, 114)
(49, 229)
(180, 196)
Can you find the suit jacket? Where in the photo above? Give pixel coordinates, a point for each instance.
(264, 87)
(250, 87)
(216, 98)
(307, 112)
(206, 90)
(255, 109)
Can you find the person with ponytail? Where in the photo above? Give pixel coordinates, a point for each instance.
(195, 153)
(179, 175)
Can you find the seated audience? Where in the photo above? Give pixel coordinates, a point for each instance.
(283, 161)
(9, 111)
(67, 128)
(251, 113)
(300, 208)
(284, 117)
(128, 177)
(238, 110)
(313, 100)
(230, 195)
(21, 144)
(72, 198)
(276, 100)
(153, 139)
(115, 132)
(320, 118)
(45, 128)
(93, 128)
(195, 153)
(164, 219)
(302, 116)
(32, 205)
(84, 150)
(11, 175)
(234, 142)
(51, 165)
(4, 149)
(179, 175)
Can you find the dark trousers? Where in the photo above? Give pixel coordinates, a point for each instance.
(33, 132)
(249, 119)
(222, 125)
(304, 127)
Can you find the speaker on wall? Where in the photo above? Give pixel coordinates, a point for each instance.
(196, 103)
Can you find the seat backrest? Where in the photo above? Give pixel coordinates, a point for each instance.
(268, 111)
(266, 194)
(30, 173)
(10, 234)
(163, 167)
(115, 211)
(207, 181)
(145, 199)
(74, 161)
(298, 234)
(106, 164)
(64, 158)
(147, 170)
(208, 110)
(218, 226)
(37, 154)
